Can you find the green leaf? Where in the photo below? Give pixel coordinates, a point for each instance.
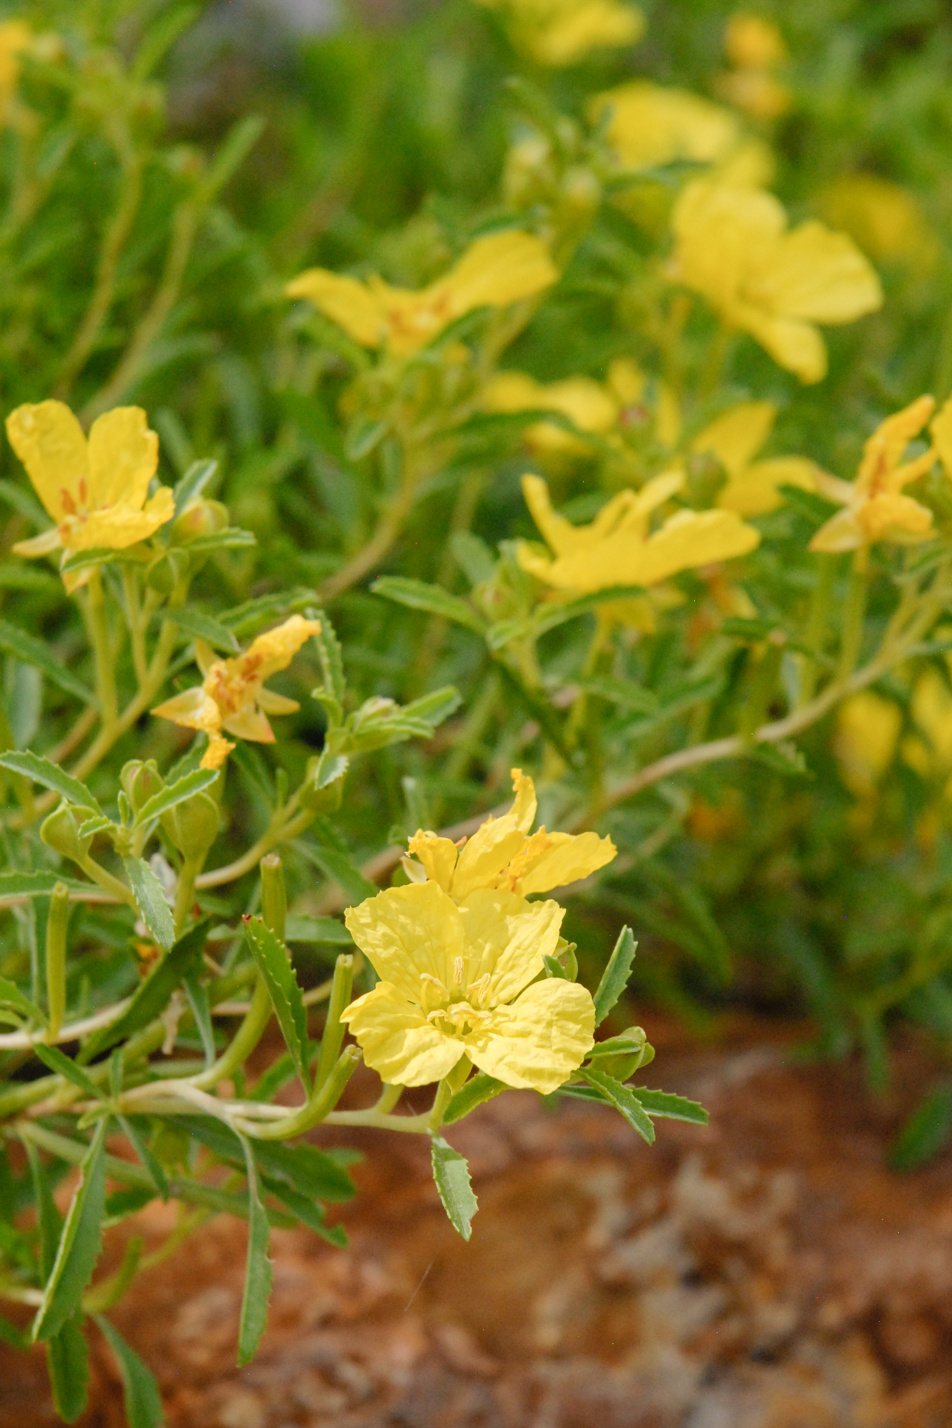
(232, 537)
(302, 928)
(177, 792)
(308, 1212)
(152, 996)
(41, 771)
(621, 692)
(306, 1169)
(341, 868)
(67, 1363)
(148, 1159)
(150, 900)
(433, 708)
(418, 595)
(477, 1090)
(143, 1403)
(623, 1099)
(258, 1268)
(104, 555)
(34, 652)
(97, 823)
(676, 1108)
(331, 657)
(79, 1243)
(11, 996)
(203, 627)
(63, 1065)
(19, 885)
(249, 616)
(451, 1174)
(615, 976)
(197, 994)
(274, 964)
(193, 483)
(49, 1221)
(926, 1133)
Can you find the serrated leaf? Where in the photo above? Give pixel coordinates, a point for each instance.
(623, 1099)
(418, 595)
(175, 793)
(247, 617)
(274, 964)
(57, 1061)
(41, 771)
(146, 1156)
(433, 708)
(79, 1244)
(308, 1212)
(203, 627)
(477, 1090)
(451, 1175)
(34, 652)
(150, 900)
(258, 1267)
(98, 823)
(193, 483)
(330, 767)
(615, 976)
(140, 1392)
(331, 657)
(152, 996)
(303, 1167)
(675, 1108)
(303, 928)
(104, 555)
(67, 1363)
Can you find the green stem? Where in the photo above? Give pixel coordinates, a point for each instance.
(243, 1042)
(321, 1103)
(854, 614)
(185, 892)
(821, 600)
(102, 651)
(333, 1027)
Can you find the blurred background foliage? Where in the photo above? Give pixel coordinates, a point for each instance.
(166, 168)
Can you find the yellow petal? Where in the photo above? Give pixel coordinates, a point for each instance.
(193, 709)
(409, 931)
(509, 937)
(866, 737)
(41, 544)
(565, 860)
(752, 42)
(755, 490)
(50, 442)
(941, 429)
(652, 125)
(795, 345)
(345, 300)
(273, 703)
(840, 533)
(397, 1040)
(250, 723)
(523, 810)
(437, 855)
(693, 538)
(275, 649)
(540, 1039)
(581, 26)
(500, 269)
(820, 276)
(118, 527)
(894, 517)
(123, 458)
(884, 450)
(737, 435)
(483, 858)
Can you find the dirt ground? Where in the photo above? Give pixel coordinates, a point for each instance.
(768, 1272)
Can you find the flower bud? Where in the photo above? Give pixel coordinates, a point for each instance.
(193, 825)
(165, 572)
(140, 781)
(200, 517)
(60, 831)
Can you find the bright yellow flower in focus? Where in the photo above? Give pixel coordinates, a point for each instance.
(560, 32)
(886, 220)
(617, 548)
(874, 506)
(732, 246)
(232, 697)
(457, 980)
(752, 486)
(495, 271)
(503, 854)
(95, 489)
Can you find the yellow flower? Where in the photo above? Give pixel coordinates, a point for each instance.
(504, 855)
(559, 32)
(95, 490)
(886, 220)
(874, 506)
(755, 48)
(733, 247)
(586, 403)
(866, 736)
(15, 37)
(617, 549)
(752, 486)
(457, 980)
(232, 697)
(494, 271)
(930, 751)
(652, 124)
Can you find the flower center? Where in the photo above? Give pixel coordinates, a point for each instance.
(459, 1009)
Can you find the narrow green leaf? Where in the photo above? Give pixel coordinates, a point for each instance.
(306, 1169)
(433, 708)
(274, 964)
(341, 868)
(79, 1243)
(148, 1159)
(11, 996)
(19, 885)
(97, 823)
(140, 1391)
(477, 1090)
(258, 1268)
(152, 996)
(193, 483)
(200, 1007)
(41, 771)
(451, 1175)
(418, 595)
(67, 1363)
(251, 615)
(174, 793)
(623, 1099)
(49, 1221)
(34, 652)
(926, 1133)
(621, 692)
(150, 900)
(232, 537)
(308, 1212)
(331, 656)
(103, 555)
(302, 928)
(615, 976)
(203, 627)
(676, 1108)
(63, 1065)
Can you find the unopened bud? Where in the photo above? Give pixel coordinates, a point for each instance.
(200, 517)
(140, 781)
(193, 825)
(164, 573)
(60, 831)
